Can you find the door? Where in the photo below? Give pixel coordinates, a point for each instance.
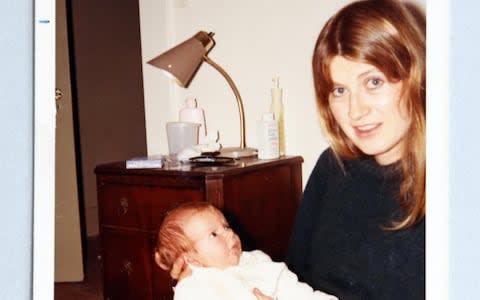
(107, 91)
(68, 246)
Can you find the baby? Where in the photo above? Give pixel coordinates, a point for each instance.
(220, 270)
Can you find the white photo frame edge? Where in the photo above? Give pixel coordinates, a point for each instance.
(44, 151)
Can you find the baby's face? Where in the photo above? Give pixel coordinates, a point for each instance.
(215, 242)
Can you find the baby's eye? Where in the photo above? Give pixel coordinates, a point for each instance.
(213, 234)
(374, 83)
(338, 91)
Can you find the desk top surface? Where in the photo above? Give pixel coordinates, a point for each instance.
(202, 169)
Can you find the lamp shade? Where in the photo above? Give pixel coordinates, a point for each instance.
(182, 61)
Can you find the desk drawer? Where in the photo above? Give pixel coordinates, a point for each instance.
(127, 259)
(140, 207)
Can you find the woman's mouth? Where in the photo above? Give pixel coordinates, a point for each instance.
(366, 130)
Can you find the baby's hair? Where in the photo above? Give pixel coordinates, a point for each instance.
(171, 239)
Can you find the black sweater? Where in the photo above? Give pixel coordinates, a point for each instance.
(338, 244)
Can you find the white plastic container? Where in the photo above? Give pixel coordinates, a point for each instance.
(194, 114)
(267, 132)
(181, 135)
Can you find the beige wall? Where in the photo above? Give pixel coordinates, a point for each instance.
(255, 41)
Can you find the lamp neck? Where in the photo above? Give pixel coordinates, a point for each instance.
(237, 96)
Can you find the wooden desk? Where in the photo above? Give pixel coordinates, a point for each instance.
(259, 198)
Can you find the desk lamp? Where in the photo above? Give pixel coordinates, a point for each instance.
(182, 62)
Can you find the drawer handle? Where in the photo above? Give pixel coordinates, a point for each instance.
(123, 209)
(127, 267)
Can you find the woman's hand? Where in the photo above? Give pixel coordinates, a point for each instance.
(260, 295)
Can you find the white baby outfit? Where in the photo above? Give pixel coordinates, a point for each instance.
(255, 269)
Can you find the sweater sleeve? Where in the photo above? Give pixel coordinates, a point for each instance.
(288, 287)
(299, 248)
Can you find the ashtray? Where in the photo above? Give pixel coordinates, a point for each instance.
(212, 160)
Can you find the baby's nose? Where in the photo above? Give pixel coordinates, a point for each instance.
(229, 234)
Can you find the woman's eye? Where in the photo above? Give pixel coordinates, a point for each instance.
(374, 83)
(213, 234)
(338, 91)
(226, 226)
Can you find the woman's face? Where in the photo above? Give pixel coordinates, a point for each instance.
(369, 109)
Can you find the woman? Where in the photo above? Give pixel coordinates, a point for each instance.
(360, 229)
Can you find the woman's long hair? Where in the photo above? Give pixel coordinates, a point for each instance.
(385, 34)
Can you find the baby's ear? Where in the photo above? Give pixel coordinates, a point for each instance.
(159, 261)
(157, 258)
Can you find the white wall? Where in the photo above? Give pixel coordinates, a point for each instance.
(255, 41)
(155, 31)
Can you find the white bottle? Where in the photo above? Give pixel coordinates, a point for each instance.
(192, 113)
(267, 132)
(276, 107)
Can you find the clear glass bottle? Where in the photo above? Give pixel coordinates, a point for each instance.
(276, 107)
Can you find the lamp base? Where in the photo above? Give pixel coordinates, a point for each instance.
(237, 152)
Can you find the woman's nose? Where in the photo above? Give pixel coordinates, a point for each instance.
(357, 107)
